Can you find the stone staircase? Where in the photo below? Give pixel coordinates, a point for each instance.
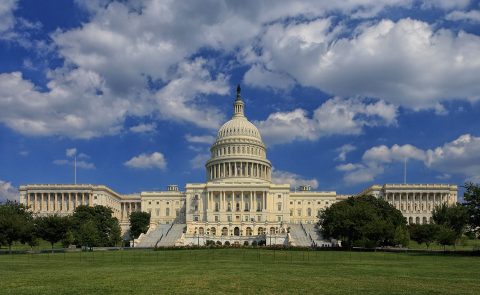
(315, 235)
(151, 238)
(298, 236)
(172, 235)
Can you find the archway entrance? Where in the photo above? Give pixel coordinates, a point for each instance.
(236, 231)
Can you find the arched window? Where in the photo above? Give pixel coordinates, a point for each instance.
(272, 230)
(249, 231)
(213, 231)
(201, 231)
(224, 231)
(217, 207)
(424, 220)
(417, 220)
(261, 230)
(309, 212)
(410, 220)
(229, 206)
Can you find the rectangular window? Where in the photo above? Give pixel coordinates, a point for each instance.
(195, 218)
(299, 212)
(259, 217)
(229, 218)
(247, 218)
(158, 212)
(279, 206)
(216, 217)
(279, 218)
(237, 218)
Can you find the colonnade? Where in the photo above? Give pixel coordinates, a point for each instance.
(236, 201)
(239, 169)
(417, 202)
(58, 202)
(128, 207)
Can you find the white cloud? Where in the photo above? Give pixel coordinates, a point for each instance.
(295, 180)
(143, 128)
(82, 159)
(71, 152)
(445, 4)
(461, 156)
(469, 16)
(335, 116)
(408, 63)
(198, 162)
(343, 151)
(8, 192)
(204, 139)
(7, 19)
(80, 163)
(258, 76)
(147, 161)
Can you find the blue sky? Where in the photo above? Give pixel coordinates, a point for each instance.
(342, 92)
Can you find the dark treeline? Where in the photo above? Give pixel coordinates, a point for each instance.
(87, 227)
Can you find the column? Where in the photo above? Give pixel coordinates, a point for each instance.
(251, 201)
(234, 168)
(242, 204)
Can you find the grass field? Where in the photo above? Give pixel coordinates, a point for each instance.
(246, 271)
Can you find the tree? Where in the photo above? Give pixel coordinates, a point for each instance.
(68, 240)
(88, 234)
(16, 224)
(454, 217)
(139, 223)
(423, 233)
(52, 228)
(446, 236)
(472, 204)
(107, 228)
(364, 221)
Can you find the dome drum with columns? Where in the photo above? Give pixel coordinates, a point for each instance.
(238, 152)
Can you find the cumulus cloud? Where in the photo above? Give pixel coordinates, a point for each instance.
(335, 116)
(203, 139)
(407, 63)
(295, 180)
(343, 151)
(82, 161)
(469, 16)
(71, 152)
(154, 160)
(7, 19)
(198, 162)
(8, 192)
(143, 128)
(461, 156)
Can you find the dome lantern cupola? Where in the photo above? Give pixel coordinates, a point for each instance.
(238, 153)
(238, 105)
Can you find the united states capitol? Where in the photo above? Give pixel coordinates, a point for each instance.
(237, 204)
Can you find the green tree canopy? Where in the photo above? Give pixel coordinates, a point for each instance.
(52, 228)
(16, 224)
(472, 204)
(107, 228)
(424, 233)
(139, 223)
(454, 217)
(364, 221)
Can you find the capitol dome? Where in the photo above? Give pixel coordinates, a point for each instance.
(238, 153)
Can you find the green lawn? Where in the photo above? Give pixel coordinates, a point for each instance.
(466, 245)
(247, 271)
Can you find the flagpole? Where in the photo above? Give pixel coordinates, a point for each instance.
(75, 169)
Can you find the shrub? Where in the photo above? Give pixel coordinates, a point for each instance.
(227, 243)
(219, 243)
(254, 243)
(245, 243)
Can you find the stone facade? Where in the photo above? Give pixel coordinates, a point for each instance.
(239, 202)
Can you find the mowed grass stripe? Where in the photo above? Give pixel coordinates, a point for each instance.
(238, 271)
